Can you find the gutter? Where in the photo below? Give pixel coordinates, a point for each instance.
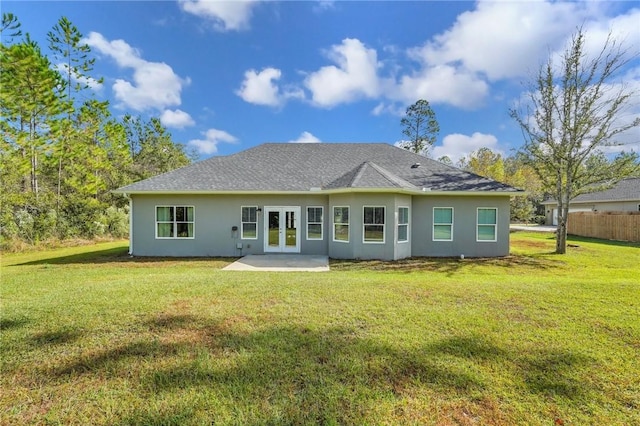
(417, 192)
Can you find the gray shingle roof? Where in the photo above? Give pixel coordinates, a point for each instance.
(303, 167)
(627, 189)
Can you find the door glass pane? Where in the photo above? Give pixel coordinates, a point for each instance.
(274, 229)
(291, 232)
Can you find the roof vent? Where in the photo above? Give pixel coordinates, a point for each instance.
(415, 165)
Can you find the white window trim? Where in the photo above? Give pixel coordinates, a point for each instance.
(333, 222)
(321, 223)
(495, 225)
(398, 224)
(433, 228)
(384, 229)
(175, 222)
(242, 237)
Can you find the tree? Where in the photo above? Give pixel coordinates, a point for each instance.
(509, 170)
(10, 26)
(28, 104)
(61, 150)
(487, 163)
(151, 148)
(74, 64)
(575, 108)
(28, 110)
(519, 174)
(420, 126)
(445, 159)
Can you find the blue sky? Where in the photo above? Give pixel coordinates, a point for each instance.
(225, 76)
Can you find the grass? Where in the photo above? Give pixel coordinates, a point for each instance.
(91, 336)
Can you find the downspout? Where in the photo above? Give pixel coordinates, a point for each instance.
(130, 225)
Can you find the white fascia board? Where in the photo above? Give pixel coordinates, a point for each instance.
(331, 191)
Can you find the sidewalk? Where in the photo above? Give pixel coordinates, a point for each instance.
(533, 228)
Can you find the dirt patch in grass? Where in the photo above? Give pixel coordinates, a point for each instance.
(444, 265)
(533, 244)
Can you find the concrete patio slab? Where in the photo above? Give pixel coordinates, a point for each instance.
(280, 263)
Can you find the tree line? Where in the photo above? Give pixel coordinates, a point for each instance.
(62, 151)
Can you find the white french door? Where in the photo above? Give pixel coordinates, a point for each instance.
(282, 229)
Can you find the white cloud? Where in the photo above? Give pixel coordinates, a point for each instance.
(324, 5)
(225, 15)
(442, 84)
(389, 108)
(259, 88)
(155, 85)
(177, 119)
(124, 55)
(355, 76)
(455, 146)
(306, 137)
(525, 33)
(623, 29)
(496, 41)
(209, 145)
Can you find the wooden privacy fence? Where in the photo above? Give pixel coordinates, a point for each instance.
(618, 226)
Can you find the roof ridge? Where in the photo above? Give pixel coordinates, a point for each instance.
(397, 180)
(361, 169)
(350, 174)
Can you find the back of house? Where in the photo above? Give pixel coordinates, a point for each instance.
(343, 200)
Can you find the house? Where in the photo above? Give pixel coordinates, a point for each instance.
(344, 200)
(624, 196)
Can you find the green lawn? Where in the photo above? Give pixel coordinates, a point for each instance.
(90, 336)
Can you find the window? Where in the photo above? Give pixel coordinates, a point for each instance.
(314, 223)
(373, 225)
(341, 224)
(487, 220)
(174, 221)
(249, 223)
(403, 224)
(443, 224)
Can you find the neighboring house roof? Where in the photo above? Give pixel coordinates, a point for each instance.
(624, 190)
(316, 167)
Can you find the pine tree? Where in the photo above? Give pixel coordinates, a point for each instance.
(74, 65)
(420, 126)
